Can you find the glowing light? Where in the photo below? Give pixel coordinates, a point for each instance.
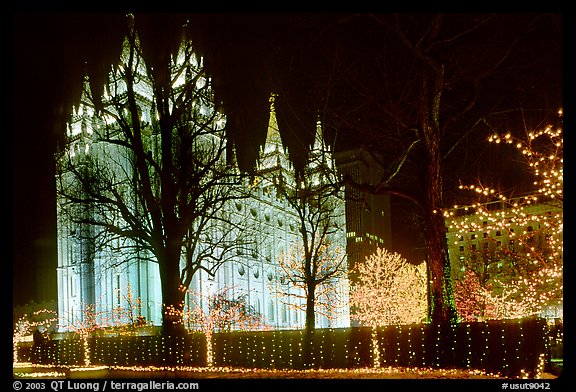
(389, 290)
(513, 227)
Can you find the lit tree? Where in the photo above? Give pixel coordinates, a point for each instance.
(129, 317)
(291, 286)
(117, 320)
(390, 290)
(525, 272)
(27, 324)
(91, 319)
(214, 312)
(145, 168)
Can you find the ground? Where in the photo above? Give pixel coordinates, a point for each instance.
(26, 370)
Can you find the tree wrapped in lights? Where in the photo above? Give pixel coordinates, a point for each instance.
(91, 319)
(215, 312)
(117, 320)
(390, 290)
(519, 265)
(291, 283)
(26, 324)
(129, 317)
(477, 302)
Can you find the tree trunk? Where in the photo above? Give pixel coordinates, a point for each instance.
(308, 355)
(442, 308)
(172, 293)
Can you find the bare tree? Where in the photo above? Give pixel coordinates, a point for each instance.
(145, 169)
(317, 264)
(417, 90)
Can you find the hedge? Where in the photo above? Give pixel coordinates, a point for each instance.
(506, 347)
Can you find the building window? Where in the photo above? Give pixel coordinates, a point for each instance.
(271, 310)
(269, 275)
(241, 270)
(284, 314)
(72, 286)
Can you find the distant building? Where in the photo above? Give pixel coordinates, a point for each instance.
(103, 277)
(368, 216)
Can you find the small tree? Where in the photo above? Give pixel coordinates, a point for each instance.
(27, 324)
(292, 283)
(129, 317)
(213, 312)
(90, 320)
(389, 290)
(316, 264)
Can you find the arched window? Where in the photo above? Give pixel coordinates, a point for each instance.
(284, 314)
(271, 310)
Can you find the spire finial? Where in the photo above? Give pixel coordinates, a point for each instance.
(272, 100)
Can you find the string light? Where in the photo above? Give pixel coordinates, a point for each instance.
(525, 233)
(261, 349)
(389, 290)
(26, 324)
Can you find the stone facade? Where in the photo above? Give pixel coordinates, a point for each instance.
(110, 279)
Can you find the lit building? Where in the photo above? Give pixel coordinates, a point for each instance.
(109, 279)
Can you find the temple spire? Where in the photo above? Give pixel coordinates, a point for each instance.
(273, 154)
(273, 138)
(319, 145)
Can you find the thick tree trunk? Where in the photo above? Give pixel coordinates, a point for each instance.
(172, 293)
(173, 331)
(442, 308)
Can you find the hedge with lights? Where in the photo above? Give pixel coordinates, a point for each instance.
(507, 347)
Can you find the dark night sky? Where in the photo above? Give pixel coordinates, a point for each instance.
(248, 55)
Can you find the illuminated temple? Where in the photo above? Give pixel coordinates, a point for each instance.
(107, 279)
